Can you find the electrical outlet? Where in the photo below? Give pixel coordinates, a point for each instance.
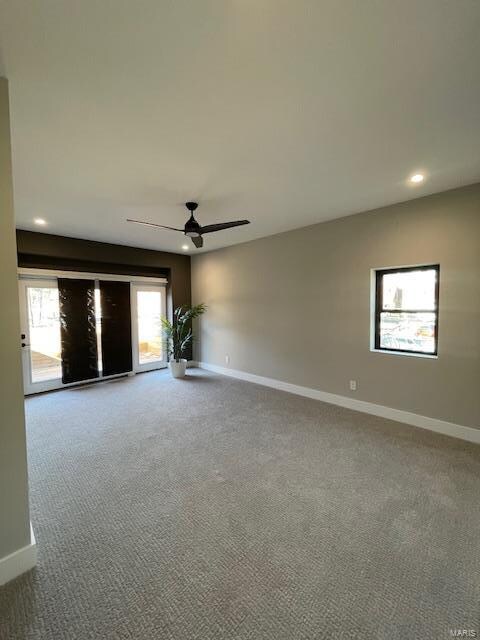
(227, 359)
(353, 385)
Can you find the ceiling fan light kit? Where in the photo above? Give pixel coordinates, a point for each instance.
(192, 228)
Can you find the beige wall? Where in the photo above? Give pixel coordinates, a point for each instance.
(14, 516)
(296, 306)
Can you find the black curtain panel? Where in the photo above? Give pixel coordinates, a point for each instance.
(77, 329)
(116, 327)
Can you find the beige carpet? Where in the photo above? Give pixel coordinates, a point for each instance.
(216, 509)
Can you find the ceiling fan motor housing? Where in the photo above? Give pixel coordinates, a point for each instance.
(192, 228)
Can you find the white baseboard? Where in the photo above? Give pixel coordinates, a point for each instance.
(19, 561)
(424, 422)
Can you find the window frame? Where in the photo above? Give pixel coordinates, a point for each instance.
(378, 309)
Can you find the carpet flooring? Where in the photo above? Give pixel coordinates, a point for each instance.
(213, 509)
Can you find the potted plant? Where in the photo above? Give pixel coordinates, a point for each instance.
(178, 336)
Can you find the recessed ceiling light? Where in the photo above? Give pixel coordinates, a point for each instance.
(417, 177)
(40, 221)
(185, 247)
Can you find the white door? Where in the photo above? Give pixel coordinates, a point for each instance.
(40, 335)
(148, 306)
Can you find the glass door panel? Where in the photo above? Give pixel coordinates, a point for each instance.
(98, 327)
(40, 339)
(44, 325)
(149, 306)
(148, 309)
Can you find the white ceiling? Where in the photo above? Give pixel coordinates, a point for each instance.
(284, 112)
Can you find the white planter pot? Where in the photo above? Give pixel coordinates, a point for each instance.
(177, 369)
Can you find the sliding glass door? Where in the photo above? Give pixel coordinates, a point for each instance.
(148, 307)
(80, 329)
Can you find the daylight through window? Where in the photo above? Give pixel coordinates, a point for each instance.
(406, 309)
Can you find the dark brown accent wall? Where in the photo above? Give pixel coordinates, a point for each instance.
(46, 251)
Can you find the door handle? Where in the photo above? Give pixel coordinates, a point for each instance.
(24, 344)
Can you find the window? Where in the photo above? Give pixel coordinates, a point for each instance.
(406, 309)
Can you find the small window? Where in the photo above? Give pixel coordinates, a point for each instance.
(406, 309)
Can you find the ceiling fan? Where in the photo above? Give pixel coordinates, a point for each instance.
(192, 228)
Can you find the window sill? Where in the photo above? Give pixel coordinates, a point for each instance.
(427, 356)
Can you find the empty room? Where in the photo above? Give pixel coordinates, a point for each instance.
(240, 323)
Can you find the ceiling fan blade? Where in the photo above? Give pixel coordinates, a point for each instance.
(152, 224)
(210, 228)
(197, 241)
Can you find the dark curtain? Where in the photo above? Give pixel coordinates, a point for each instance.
(77, 328)
(116, 327)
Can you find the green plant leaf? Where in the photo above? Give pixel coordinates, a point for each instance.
(177, 334)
